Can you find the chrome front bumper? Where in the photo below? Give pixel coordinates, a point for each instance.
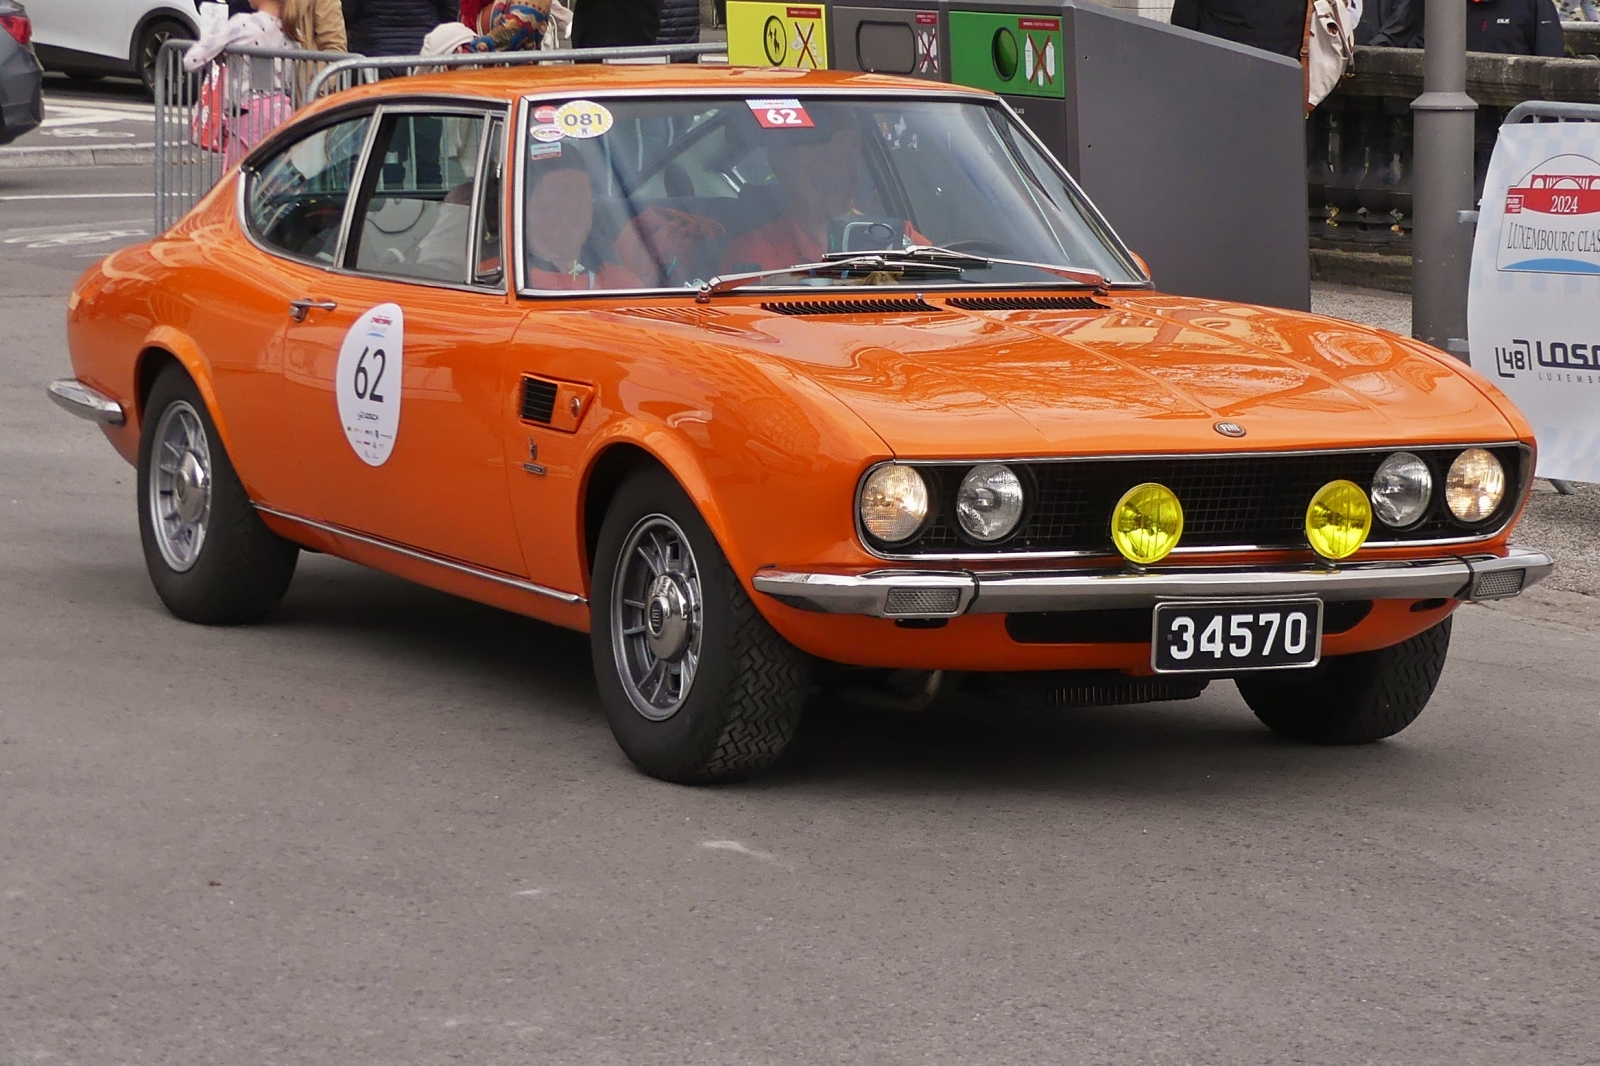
(947, 593)
(85, 402)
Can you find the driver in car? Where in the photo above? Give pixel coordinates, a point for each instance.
(820, 181)
(560, 217)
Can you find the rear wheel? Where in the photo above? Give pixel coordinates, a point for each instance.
(697, 686)
(1351, 699)
(210, 557)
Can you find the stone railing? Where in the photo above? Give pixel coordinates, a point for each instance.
(1358, 142)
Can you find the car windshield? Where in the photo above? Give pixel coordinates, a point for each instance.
(670, 193)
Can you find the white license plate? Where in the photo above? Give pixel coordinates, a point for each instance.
(1229, 635)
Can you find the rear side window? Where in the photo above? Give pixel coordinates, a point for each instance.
(414, 219)
(297, 198)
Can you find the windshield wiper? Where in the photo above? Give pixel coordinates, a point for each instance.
(932, 253)
(835, 264)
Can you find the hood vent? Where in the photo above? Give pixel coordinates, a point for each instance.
(538, 400)
(886, 306)
(1024, 303)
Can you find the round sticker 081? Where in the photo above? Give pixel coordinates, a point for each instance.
(367, 382)
(583, 119)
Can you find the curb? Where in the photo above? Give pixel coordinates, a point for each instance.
(1367, 270)
(106, 155)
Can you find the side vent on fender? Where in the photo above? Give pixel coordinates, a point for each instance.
(1025, 303)
(885, 306)
(538, 399)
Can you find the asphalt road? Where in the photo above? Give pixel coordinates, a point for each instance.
(390, 827)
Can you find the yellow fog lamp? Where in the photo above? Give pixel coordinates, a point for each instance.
(1146, 523)
(1339, 519)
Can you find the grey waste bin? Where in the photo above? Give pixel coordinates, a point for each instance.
(1193, 147)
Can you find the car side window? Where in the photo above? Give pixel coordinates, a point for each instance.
(413, 219)
(296, 198)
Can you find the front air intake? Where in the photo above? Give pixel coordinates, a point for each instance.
(887, 306)
(1024, 303)
(538, 400)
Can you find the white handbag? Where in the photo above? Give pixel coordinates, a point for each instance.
(1331, 44)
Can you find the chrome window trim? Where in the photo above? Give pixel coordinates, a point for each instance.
(528, 101)
(997, 555)
(374, 114)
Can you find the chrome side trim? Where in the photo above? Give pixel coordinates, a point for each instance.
(427, 557)
(1004, 592)
(74, 396)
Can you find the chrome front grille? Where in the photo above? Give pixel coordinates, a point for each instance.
(1255, 500)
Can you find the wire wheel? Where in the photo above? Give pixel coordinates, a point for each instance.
(657, 617)
(180, 486)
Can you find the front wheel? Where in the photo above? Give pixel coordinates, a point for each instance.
(696, 685)
(210, 557)
(1351, 699)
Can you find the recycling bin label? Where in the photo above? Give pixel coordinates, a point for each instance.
(777, 35)
(1019, 55)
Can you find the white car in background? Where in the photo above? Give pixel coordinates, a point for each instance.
(89, 38)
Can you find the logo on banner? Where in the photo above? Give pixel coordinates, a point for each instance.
(1551, 223)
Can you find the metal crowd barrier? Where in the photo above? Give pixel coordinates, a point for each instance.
(208, 120)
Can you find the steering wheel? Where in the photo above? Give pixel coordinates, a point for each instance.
(978, 246)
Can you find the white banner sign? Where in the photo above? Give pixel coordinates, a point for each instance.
(1533, 308)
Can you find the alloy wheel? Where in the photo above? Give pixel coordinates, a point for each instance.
(180, 485)
(657, 617)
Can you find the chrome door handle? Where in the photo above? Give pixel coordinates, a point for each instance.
(298, 309)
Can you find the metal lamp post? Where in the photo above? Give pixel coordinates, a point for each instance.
(1441, 245)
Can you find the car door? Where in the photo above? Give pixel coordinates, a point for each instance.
(393, 359)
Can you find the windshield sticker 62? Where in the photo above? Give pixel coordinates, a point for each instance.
(785, 114)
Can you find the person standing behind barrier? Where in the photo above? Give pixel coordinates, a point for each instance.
(394, 27)
(315, 25)
(1273, 25)
(615, 23)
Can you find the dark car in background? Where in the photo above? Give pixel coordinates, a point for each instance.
(21, 99)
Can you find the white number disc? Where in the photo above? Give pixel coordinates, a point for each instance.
(367, 382)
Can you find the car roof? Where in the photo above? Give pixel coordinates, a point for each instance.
(510, 83)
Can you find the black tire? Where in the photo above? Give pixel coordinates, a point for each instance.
(241, 569)
(147, 48)
(1351, 699)
(743, 702)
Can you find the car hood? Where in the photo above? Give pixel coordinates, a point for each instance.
(1141, 374)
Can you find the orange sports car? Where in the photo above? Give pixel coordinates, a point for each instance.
(758, 374)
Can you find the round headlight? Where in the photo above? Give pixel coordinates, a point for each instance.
(1338, 520)
(989, 502)
(1475, 485)
(894, 501)
(1146, 523)
(1401, 490)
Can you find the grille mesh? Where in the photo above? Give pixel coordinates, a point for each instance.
(1257, 500)
(886, 306)
(922, 601)
(538, 400)
(1024, 303)
(1499, 584)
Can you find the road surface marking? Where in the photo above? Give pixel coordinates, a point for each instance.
(76, 195)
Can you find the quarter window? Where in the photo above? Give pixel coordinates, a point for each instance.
(416, 220)
(297, 198)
